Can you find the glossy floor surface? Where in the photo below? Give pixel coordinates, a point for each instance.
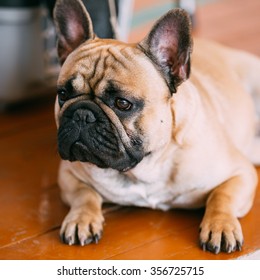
(30, 207)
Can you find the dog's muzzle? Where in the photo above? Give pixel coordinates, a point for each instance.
(86, 134)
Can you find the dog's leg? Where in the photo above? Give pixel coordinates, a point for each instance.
(84, 222)
(220, 229)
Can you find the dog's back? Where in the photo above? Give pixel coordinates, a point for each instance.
(225, 75)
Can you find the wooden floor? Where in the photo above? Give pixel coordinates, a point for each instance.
(31, 209)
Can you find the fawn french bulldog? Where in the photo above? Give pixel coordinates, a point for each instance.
(164, 123)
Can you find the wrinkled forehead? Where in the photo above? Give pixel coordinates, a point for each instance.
(99, 62)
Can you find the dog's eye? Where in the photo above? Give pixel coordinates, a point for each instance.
(123, 104)
(63, 95)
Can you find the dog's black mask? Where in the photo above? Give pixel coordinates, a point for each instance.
(86, 134)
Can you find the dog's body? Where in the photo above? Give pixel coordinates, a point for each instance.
(150, 149)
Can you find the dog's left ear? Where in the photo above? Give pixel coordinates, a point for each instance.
(73, 26)
(169, 45)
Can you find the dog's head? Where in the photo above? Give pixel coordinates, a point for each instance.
(113, 106)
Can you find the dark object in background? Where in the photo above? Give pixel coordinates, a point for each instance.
(20, 50)
(100, 14)
(19, 3)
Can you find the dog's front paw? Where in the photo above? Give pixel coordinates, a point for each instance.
(81, 227)
(221, 232)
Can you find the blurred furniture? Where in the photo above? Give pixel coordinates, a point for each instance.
(20, 49)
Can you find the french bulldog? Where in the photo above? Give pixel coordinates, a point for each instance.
(169, 122)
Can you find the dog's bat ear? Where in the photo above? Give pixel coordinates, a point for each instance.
(73, 26)
(169, 45)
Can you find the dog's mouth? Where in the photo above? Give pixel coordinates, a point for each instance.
(80, 152)
(86, 134)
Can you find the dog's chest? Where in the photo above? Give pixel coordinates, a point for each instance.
(158, 195)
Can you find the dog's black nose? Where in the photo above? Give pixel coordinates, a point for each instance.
(84, 115)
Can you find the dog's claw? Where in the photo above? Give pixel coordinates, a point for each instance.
(62, 238)
(93, 239)
(239, 246)
(96, 238)
(70, 241)
(216, 250)
(81, 241)
(229, 249)
(203, 246)
(213, 248)
(66, 240)
(87, 241)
